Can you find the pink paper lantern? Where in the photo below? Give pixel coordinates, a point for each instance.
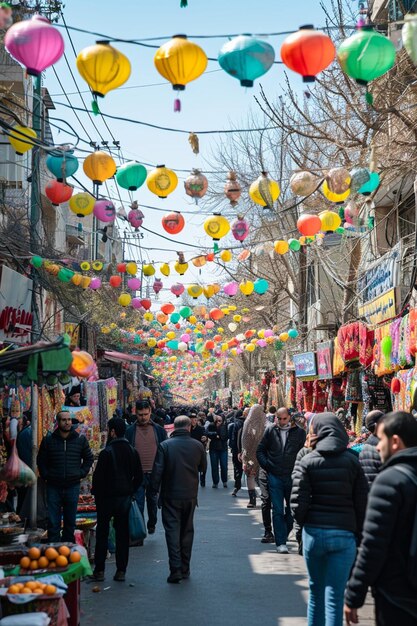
(135, 218)
(240, 229)
(230, 289)
(177, 289)
(185, 337)
(136, 303)
(157, 286)
(261, 343)
(35, 43)
(105, 211)
(268, 333)
(134, 284)
(209, 324)
(95, 284)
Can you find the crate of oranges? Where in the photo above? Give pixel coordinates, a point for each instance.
(31, 596)
(48, 558)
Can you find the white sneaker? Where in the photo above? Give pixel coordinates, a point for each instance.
(282, 549)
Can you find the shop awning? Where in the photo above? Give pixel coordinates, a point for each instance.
(122, 357)
(19, 359)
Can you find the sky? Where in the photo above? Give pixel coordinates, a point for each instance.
(214, 101)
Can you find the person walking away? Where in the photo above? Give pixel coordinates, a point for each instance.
(252, 433)
(145, 436)
(384, 559)
(270, 416)
(24, 450)
(328, 500)
(199, 434)
(276, 454)
(234, 427)
(369, 456)
(64, 459)
(310, 441)
(217, 433)
(178, 463)
(117, 476)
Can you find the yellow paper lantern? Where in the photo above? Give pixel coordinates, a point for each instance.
(86, 280)
(245, 310)
(21, 137)
(283, 337)
(264, 191)
(261, 333)
(131, 268)
(76, 279)
(147, 270)
(250, 347)
(226, 256)
(192, 319)
(237, 318)
(99, 166)
(180, 61)
(216, 288)
(216, 226)
(194, 291)
(180, 268)
(232, 307)
(171, 335)
(208, 291)
(164, 269)
(334, 197)
(329, 221)
(172, 359)
(220, 330)
(233, 352)
(103, 68)
(281, 246)
(148, 316)
(125, 299)
(82, 204)
(224, 347)
(246, 287)
(105, 330)
(162, 181)
(151, 343)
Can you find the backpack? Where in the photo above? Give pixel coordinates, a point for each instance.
(412, 556)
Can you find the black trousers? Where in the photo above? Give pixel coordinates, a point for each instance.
(178, 518)
(387, 614)
(265, 500)
(237, 470)
(117, 508)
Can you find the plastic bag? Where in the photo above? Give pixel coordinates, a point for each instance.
(16, 473)
(137, 528)
(28, 619)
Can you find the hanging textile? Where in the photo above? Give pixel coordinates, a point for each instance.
(348, 337)
(366, 343)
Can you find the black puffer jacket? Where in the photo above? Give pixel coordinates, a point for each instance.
(177, 465)
(383, 554)
(218, 436)
(370, 460)
(118, 471)
(329, 487)
(275, 459)
(234, 427)
(64, 462)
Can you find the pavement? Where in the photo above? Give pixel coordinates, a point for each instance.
(235, 580)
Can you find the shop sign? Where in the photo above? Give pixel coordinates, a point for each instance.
(305, 364)
(382, 308)
(324, 360)
(73, 331)
(15, 306)
(380, 277)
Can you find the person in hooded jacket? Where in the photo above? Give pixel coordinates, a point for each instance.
(234, 427)
(328, 500)
(369, 456)
(218, 434)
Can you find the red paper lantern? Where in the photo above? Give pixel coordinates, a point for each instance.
(146, 304)
(173, 223)
(58, 192)
(167, 308)
(210, 256)
(396, 385)
(121, 268)
(83, 365)
(216, 314)
(115, 281)
(309, 224)
(209, 345)
(308, 52)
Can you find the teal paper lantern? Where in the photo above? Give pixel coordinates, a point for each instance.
(62, 166)
(294, 244)
(185, 312)
(293, 333)
(131, 175)
(65, 275)
(340, 230)
(246, 58)
(260, 286)
(172, 344)
(366, 55)
(371, 185)
(175, 318)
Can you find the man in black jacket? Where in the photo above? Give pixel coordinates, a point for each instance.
(177, 465)
(117, 476)
(384, 553)
(199, 434)
(234, 427)
(369, 456)
(276, 454)
(64, 459)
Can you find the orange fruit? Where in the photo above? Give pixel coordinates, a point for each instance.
(43, 562)
(25, 562)
(34, 554)
(34, 565)
(51, 554)
(26, 590)
(64, 550)
(13, 589)
(50, 590)
(37, 590)
(75, 557)
(52, 565)
(19, 586)
(61, 561)
(32, 584)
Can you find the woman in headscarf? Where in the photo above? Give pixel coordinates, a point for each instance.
(252, 433)
(328, 500)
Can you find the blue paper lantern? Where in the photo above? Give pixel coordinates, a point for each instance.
(293, 333)
(260, 286)
(62, 166)
(371, 185)
(246, 58)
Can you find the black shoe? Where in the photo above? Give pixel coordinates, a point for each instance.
(202, 483)
(175, 577)
(186, 574)
(214, 486)
(134, 544)
(151, 530)
(234, 492)
(119, 576)
(268, 537)
(97, 576)
(225, 485)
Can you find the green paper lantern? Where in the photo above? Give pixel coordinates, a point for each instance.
(36, 261)
(131, 175)
(294, 245)
(175, 318)
(340, 230)
(366, 55)
(261, 286)
(185, 312)
(65, 275)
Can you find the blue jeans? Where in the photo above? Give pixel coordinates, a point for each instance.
(329, 555)
(216, 457)
(280, 491)
(145, 491)
(62, 502)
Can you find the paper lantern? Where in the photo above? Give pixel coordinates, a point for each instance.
(294, 244)
(36, 261)
(82, 364)
(135, 218)
(281, 246)
(194, 291)
(216, 314)
(34, 43)
(283, 337)
(180, 61)
(164, 269)
(338, 180)
(371, 185)
(208, 291)
(226, 256)
(261, 286)
(172, 344)
(359, 176)
(199, 261)
(177, 289)
(366, 55)
(293, 333)
(338, 198)
(148, 270)
(77, 279)
(124, 299)
(216, 226)
(115, 281)
(264, 191)
(167, 308)
(162, 181)
(180, 268)
(232, 188)
(131, 175)
(105, 211)
(246, 287)
(173, 223)
(246, 58)
(196, 185)
(209, 345)
(62, 165)
(103, 68)
(95, 284)
(151, 343)
(171, 334)
(303, 183)
(57, 192)
(185, 312)
(330, 221)
(308, 52)
(409, 38)
(182, 346)
(308, 224)
(121, 268)
(146, 303)
(20, 138)
(99, 166)
(396, 383)
(230, 289)
(134, 284)
(240, 228)
(65, 275)
(82, 204)
(131, 268)
(157, 285)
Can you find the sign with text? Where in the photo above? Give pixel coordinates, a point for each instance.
(382, 308)
(305, 364)
(324, 360)
(380, 277)
(15, 306)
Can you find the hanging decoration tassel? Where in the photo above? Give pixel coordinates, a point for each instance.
(369, 98)
(94, 106)
(194, 143)
(177, 105)
(184, 4)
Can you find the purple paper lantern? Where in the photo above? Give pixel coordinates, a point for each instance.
(134, 284)
(35, 43)
(135, 218)
(230, 289)
(136, 303)
(95, 284)
(157, 286)
(105, 211)
(240, 229)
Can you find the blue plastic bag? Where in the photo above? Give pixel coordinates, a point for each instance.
(137, 528)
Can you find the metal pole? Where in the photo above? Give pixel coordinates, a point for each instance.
(35, 202)
(33, 490)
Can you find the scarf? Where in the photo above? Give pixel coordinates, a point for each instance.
(283, 433)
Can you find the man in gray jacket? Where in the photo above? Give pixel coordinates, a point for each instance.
(178, 463)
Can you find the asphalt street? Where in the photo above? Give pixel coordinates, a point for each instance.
(235, 580)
